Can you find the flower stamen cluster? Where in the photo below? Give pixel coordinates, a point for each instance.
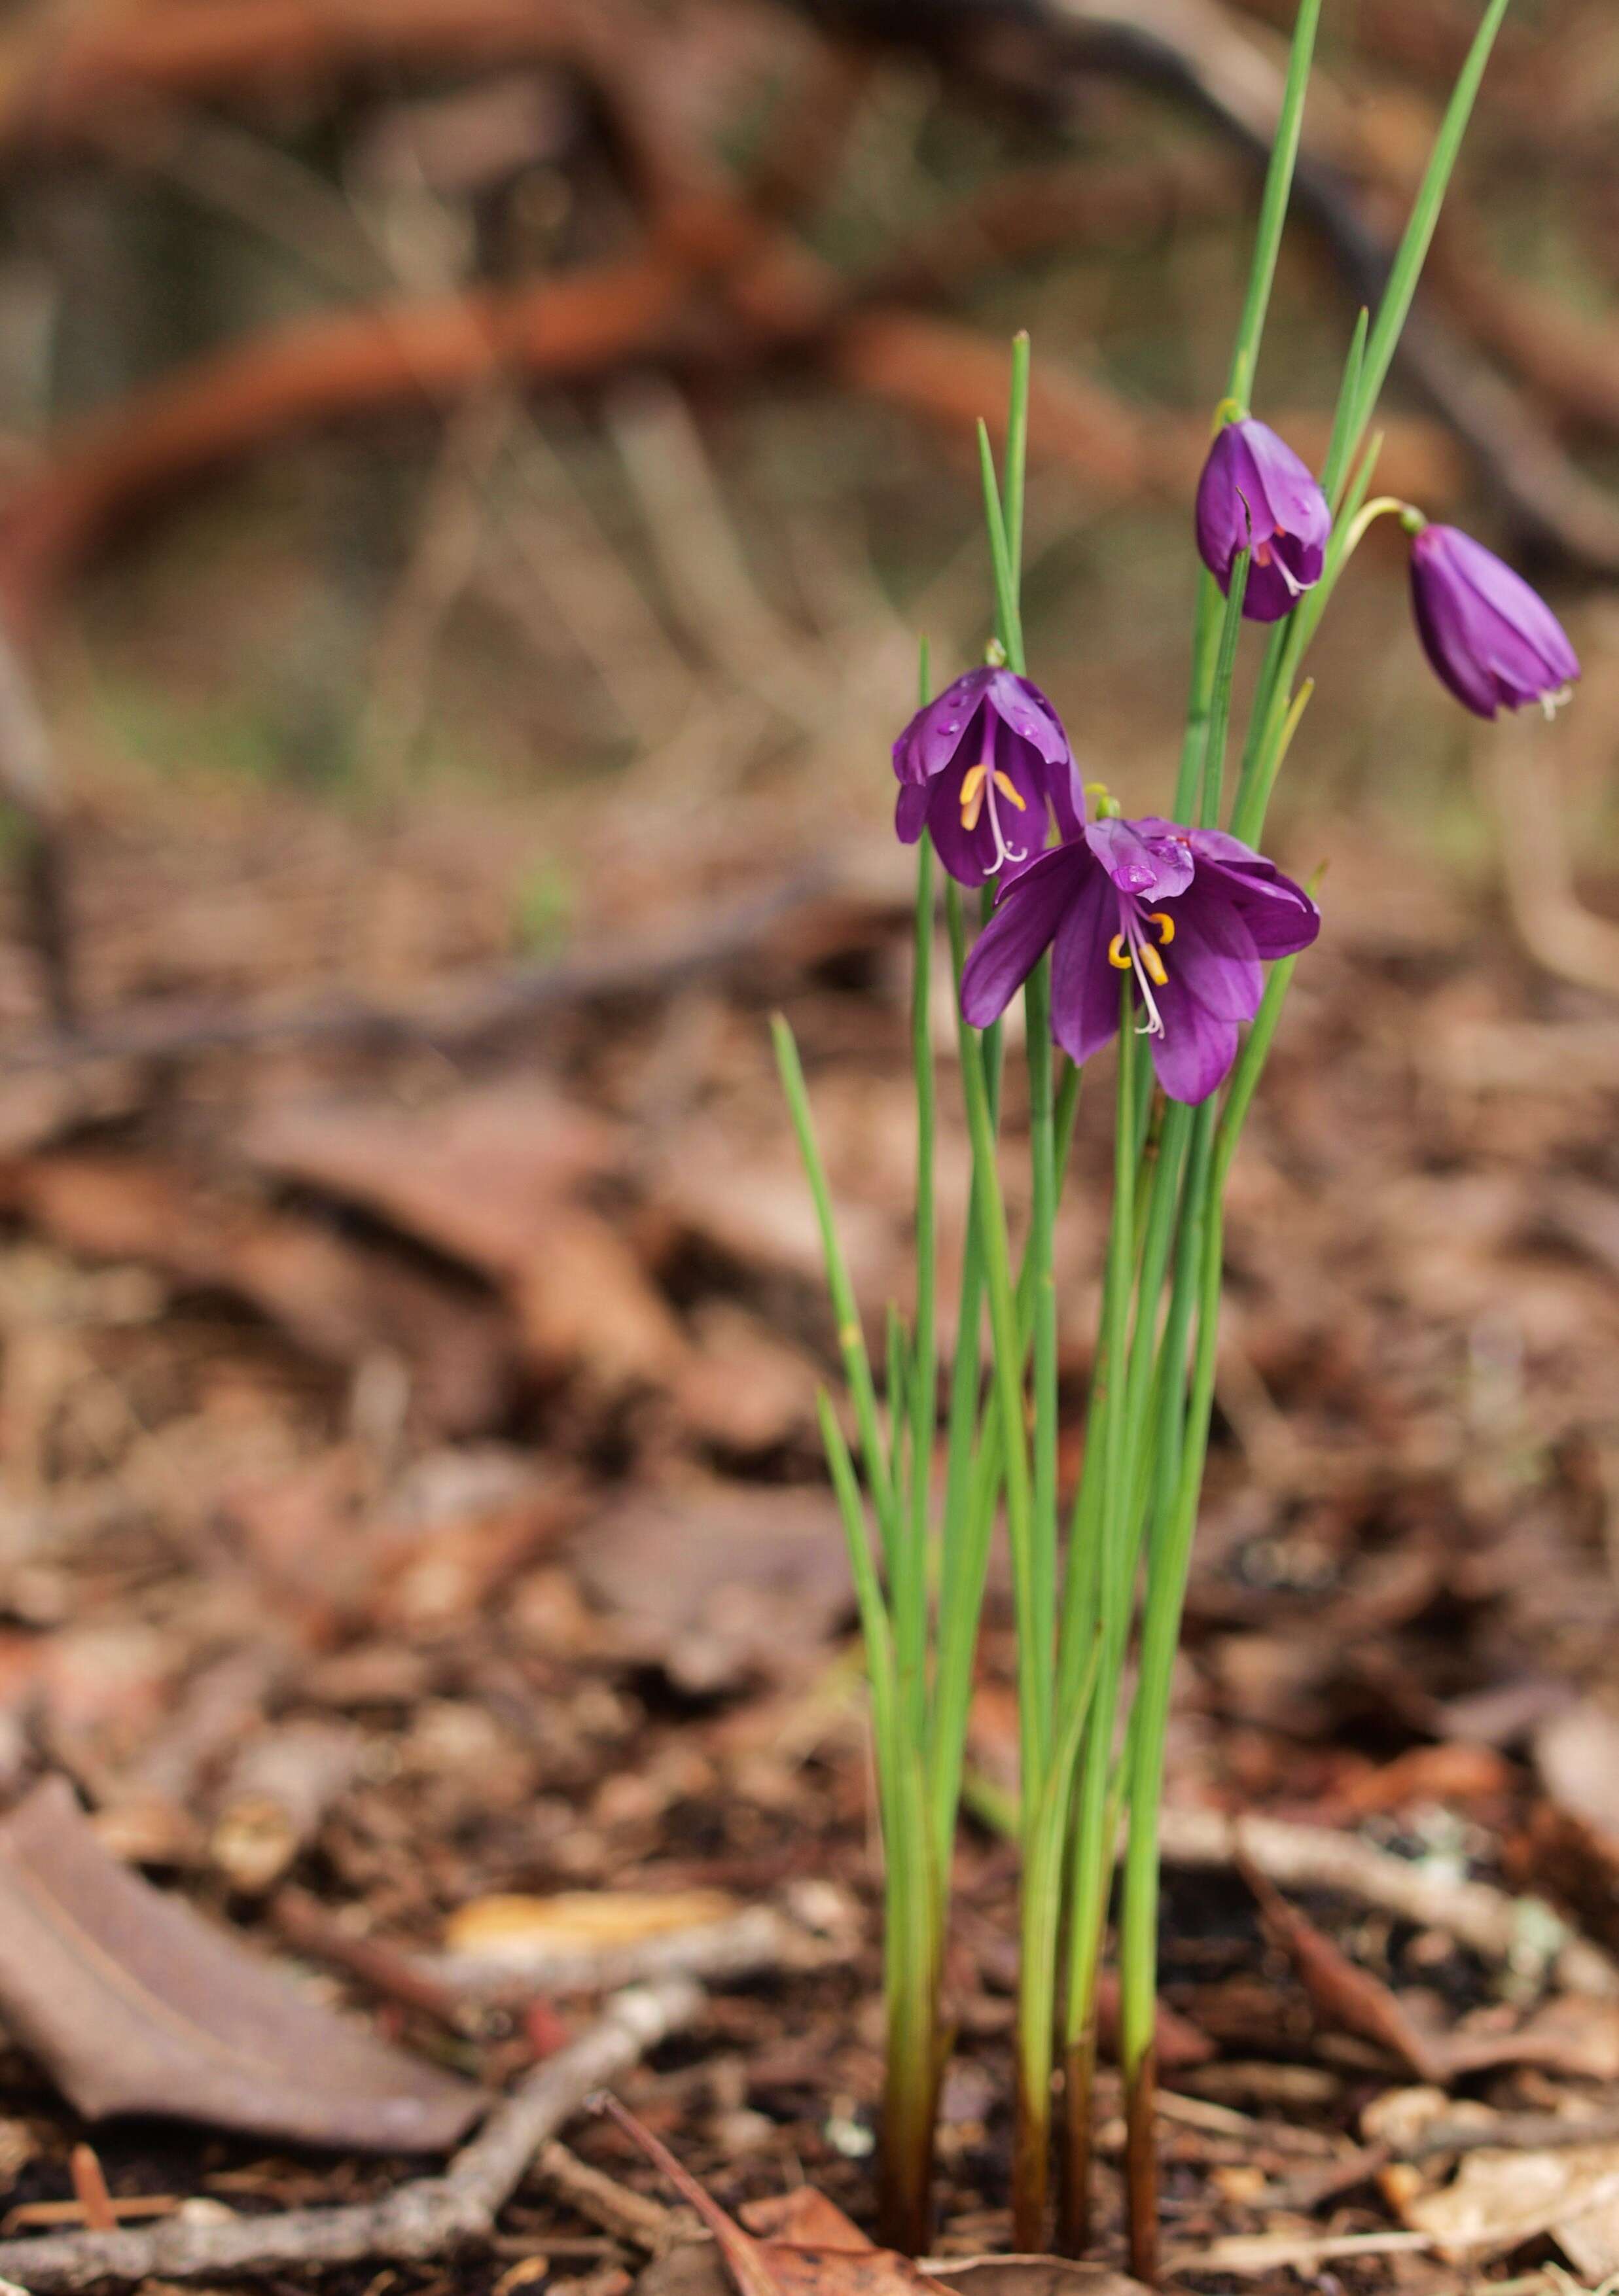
(981, 785)
(1131, 951)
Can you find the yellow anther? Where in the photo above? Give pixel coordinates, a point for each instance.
(1007, 787)
(972, 783)
(1164, 923)
(1117, 954)
(1153, 964)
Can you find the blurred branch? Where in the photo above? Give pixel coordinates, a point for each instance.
(68, 77)
(1033, 52)
(718, 283)
(455, 1013)
(1569, 358)
(1555, 926)
(420, 2219)
(29, 782)
(323, 370)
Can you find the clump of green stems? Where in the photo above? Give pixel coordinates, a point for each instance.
(1091, 1758)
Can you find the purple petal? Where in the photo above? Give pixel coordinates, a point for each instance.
(1280, 915)
(1084, 985)
(1019, 704)
(1194, 1055)
(1490, 637)
(1215, 845)
(1293, 502)
(1256, 495)
(1212, 956)
(973, 856)
(1010, 946)
(910, 811)
(941, 728)
(1067, 794)
(1269, 594)
(965, 853)
(1152, 867)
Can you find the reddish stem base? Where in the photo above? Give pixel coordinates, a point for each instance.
(1141, 2168)
(1030, 2172)
(1073, 2196)
(905, 2168)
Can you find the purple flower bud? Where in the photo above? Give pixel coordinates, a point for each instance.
(983, 769)
(1255, 495)
(1492, 639)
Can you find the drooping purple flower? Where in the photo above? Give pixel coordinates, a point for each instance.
(983, 768)
(1189, 914)
(1492, 639)
(1255, 495)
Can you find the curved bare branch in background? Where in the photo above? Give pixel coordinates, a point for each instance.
(719, 281)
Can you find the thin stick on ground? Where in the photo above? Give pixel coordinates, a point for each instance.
(1488, 1921)
(425, 2217)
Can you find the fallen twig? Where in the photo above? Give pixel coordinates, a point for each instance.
(1266, 2252)
(753, 1940)
(1522, 1931)
(454, 1013)
(629, 2216)
(419, 2219)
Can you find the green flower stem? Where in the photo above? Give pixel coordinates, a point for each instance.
(1033, 1632)
(1043, 1830)
(1161, 1632)
(1278, 704)
(1041, 1319)
(1008, 1359)
(1341, 444)
(1017, 467)
(1005, 517)
(1206, 648)
(910, 1584)
(852, 1339)
(913, 1937)
(1394, 308)
(1219, 704)
(1245, 360)
(1274, 202)
(1100, 1601)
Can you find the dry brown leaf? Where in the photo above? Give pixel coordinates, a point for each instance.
(743, 1390)
(134, 2004)
(478, 1175)
(584, 1302)
(1577, 1754)
(1345, 1997)
(488, 1176)
(718, 1584)
(1498, 2199)
(1032, 2276)
(804, 2217)
(517, 1928)
(779, 2267)
(341, 1300)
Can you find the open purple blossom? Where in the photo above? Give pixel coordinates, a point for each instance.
(981, 769)
(1187, 915)
(1256, 495)
(1492, 639)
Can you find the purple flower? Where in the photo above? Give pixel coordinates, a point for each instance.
(1187, 914)
(979, 769)
(1490, 637)
(1255, 495)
